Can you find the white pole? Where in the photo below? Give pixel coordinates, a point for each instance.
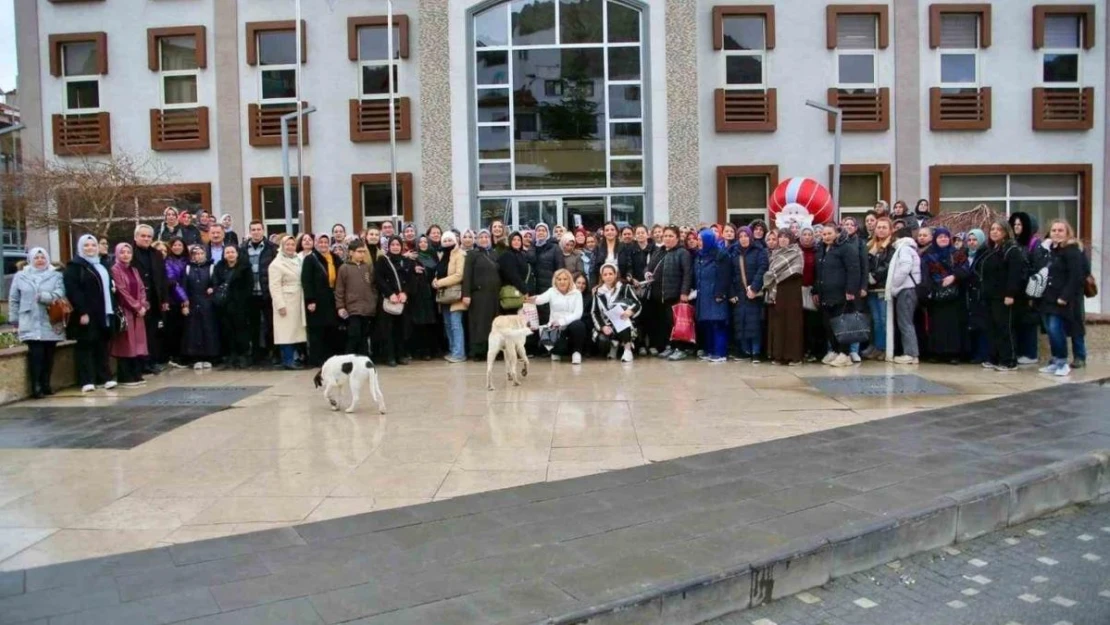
(392, 114)
(298, 33)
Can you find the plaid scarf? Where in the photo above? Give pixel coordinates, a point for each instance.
(786, 262)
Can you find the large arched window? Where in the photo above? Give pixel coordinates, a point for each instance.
(559, 112)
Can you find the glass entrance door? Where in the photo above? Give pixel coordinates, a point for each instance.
(529, 212)
(584, 211)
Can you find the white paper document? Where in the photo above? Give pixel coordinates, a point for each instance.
(620, 324)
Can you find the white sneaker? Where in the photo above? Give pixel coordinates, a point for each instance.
(88, 388)
(829, 357)
(1063, 370)
(555, 358)
(110, 384)
(855, 358)
(841, 360)
(576, 358)
(1050, 368)
(207, 365)
(717, 359)
(627, 357)
(989, 365)
(1025, 360)
(905, 360)
(198, 367)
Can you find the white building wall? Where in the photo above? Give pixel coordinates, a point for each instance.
(130, 89)
(328, 80)
(1012, 68)
(801, 68)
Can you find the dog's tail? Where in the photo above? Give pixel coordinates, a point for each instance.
(319, 379)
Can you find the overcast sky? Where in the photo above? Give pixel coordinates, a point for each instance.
(7, 45)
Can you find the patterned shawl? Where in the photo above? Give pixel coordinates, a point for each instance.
(786, 262)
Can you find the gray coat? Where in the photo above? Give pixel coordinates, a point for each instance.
(31, 293)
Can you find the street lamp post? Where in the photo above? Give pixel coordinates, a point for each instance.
(839, 113)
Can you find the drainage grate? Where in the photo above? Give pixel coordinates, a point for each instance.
(879, 385)
(210, 396)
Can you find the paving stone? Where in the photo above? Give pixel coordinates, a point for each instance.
(814, 521)
(168, 608)
(177, 579)
(612, 578)
(217, 548)
(806, 496)
(11, 583)
(58, 601)
(295, 612)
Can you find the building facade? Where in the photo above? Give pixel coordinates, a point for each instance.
(582, 111)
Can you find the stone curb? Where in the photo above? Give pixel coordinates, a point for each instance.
(806, 563)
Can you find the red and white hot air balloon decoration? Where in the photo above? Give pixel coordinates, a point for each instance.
(800, 200)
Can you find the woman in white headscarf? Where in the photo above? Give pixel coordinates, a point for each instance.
(88, 285)
(34, 289)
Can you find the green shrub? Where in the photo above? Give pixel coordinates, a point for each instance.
(8, 339)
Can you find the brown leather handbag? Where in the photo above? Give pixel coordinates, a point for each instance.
(59, 311)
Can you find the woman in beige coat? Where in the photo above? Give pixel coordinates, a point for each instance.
(452, 282)
(288, 299)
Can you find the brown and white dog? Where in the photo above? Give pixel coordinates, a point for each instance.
(507, 335)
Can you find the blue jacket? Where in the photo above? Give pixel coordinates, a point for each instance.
(713, 280)
(756, 262)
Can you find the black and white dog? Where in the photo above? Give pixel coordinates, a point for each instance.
(358, 372)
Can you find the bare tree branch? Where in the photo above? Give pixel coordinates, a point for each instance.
(89, 195)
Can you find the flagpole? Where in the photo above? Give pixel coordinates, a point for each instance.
(298, 34)
(392, 114)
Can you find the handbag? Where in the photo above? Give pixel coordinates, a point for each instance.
(1090, 287)
(807, 299)
(1037, 283)
(944, 293)
(393, 308)
(549, 337)
(683, 328)
(449, 294)
(510, 297)
(851, 327)
(58, 311)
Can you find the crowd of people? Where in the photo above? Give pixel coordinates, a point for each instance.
(185, 294)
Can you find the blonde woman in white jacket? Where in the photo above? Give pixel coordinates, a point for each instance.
(901, 286)
(565, 303)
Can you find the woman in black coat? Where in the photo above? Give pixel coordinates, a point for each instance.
(1002, 271)
(514, 267)
(201, 342)
(671, 275)
(318, 275)
(943, 276)
(393, 276)
(232, 283)
(89, 288)
(1062, 303)
(421, 301)
(609, 250)
(481, 291)
(837, 288)
(859, 240)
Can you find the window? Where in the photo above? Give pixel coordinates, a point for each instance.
(82, 79)
(1044, 196)
(1063, 36)
(857, 43)
(742, 192)
(375, 61)
(277, 57)
(745, 51)
(959, 56)
(558, 104)
(268, 204)
(861, 187)
(372, 199)
(178, 60)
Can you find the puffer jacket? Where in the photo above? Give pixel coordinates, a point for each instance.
(838, 272)
(355, 290)
(905, 267)
(864, 264)
(756, 261)
(32, 291)
(671, 275)
(713, 280)
(878, 266)
(1066, 274)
